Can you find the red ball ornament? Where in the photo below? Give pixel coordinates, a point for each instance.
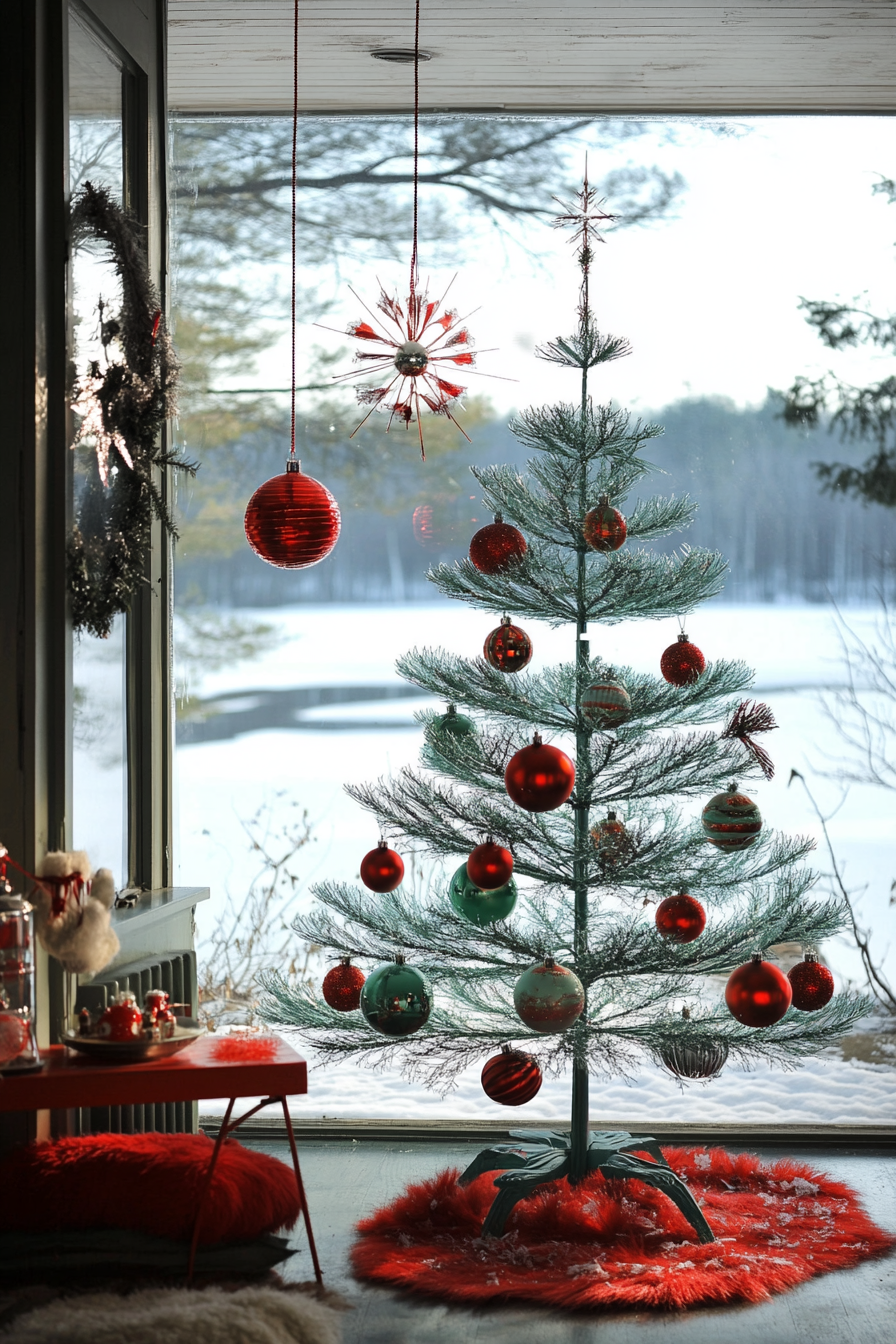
(680, 918)
(490, 866)
(682, 663)
(342, 986)
(497, 546)
(757, 993)
(812, 985)
(292, 521)
(604, 528)
(511, 1078)
(508, 648)
(539, 778)
(382, 869)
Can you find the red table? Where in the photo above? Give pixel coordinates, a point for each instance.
(68, 1080)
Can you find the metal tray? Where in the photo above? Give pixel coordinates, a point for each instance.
(101, 1050)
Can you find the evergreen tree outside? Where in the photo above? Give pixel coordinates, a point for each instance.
(586, 905)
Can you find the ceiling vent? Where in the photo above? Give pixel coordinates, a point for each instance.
(399, 55)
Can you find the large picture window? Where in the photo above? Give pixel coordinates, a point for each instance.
(285, 682)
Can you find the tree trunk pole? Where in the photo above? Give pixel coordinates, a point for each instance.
(578, 1137)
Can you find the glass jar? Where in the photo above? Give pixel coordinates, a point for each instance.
(18, 1038)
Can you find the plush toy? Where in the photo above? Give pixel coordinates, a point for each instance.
(71, 912)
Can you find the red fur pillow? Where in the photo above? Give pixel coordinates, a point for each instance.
(146, 1183)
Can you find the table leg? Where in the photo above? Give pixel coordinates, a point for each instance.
(222, 1134)
(301, 1189)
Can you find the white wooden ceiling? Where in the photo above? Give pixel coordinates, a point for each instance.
(537, 55)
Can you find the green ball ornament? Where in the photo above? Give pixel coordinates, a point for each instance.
(454, 725)
(478, 906)
(396, 999)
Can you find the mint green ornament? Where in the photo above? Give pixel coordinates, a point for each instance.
(396, 999)
(478, 906)
(454, 724)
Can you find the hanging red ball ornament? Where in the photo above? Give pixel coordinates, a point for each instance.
(511, 1078)
(680, 918)
(548, 997)
(811, 983)
(757, 993)
(682, 663)
(539, 778)
(342, 986)
(604, 528)
(490, 866)
(292, 521)
(497, 546)
(731, 820)
(508, 648)
(382, 869)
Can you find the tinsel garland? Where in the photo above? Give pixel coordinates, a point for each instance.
(124, 404)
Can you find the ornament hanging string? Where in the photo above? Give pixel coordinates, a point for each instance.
(295, 137)
(413, 289)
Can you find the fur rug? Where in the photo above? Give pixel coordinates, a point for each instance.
(179, 1316)
(622, 1243)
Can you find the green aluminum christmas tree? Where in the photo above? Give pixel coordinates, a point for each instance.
(584, 932)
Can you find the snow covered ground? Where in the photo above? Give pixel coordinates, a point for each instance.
(823, 1090)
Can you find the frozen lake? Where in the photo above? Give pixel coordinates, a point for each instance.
(793, 649)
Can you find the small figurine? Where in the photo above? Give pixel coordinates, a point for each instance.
(122, 1020)
(84, 1023)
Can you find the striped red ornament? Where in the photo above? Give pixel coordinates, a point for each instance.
(292, 521)
(606, 703)
(731, 820)
(508, 648)
(511, 1078)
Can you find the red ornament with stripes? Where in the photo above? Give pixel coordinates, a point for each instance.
(511, 1078)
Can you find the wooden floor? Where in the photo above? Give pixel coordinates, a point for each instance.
(346, 1180)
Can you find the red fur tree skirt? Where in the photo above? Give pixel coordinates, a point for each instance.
(622, 1243)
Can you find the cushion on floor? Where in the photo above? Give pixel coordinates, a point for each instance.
(149, 1183)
